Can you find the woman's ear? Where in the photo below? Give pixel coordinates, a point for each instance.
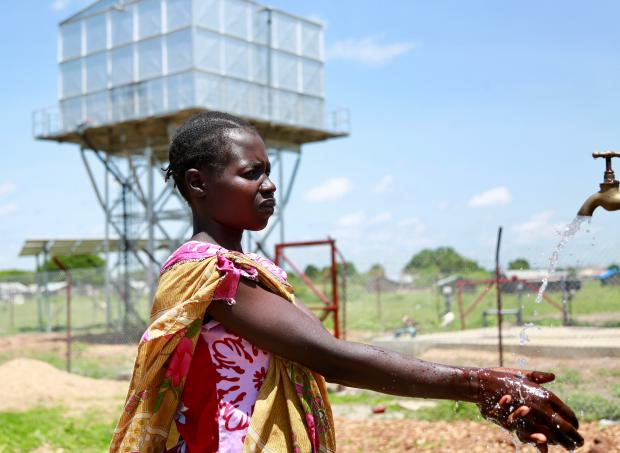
(195, 182)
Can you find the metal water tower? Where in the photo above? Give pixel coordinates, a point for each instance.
(132, 70)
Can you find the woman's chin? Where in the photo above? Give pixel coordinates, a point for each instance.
(258, 227)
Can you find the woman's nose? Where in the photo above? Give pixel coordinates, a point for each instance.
(267, 185)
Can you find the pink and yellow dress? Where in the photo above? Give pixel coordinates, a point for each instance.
(199, 388)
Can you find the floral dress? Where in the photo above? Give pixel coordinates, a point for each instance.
(223, 380)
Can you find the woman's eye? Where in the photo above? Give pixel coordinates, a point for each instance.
(253, 174)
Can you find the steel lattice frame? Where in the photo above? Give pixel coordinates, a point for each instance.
(142, 207)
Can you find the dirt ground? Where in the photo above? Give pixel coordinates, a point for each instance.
(28, 383)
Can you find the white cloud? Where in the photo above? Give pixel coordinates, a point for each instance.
(7, 187)
(368, 50)
(444, 205)
(330, 190)
(413, 225)
(537, 226)
(380, 218)
(7, 209)
(384, 184)
(351, 220)
(492, 197)
(59, 5)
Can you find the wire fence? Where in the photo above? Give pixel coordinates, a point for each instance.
(93, 331)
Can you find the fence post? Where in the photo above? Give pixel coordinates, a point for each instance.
(565, 320)
(64, 268)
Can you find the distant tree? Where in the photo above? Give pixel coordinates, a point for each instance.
(376, 270)
(74, 262)
(613, 267)
(443, 260)
(519, 264)
(17, 275)
(351, 269)
(311, 271)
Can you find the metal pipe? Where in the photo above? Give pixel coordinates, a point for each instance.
(459, 298)
(499, 299)
(69, 340)
(106, 249)
(150, 218)
(344, 294)
(335, 288)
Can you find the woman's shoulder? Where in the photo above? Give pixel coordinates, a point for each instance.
(269, 265)
(193, 251)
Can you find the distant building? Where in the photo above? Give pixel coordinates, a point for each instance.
(610, 277)
(590, 273)
(557, 281)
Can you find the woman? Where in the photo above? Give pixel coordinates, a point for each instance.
(231, 363)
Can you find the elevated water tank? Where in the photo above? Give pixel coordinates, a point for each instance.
(135, 62)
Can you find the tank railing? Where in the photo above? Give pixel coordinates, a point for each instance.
(132, 104)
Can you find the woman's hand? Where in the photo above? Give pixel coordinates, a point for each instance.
(515, 400)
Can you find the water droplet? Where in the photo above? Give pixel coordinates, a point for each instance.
(523, 338)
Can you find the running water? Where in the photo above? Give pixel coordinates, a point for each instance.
(523, 338)
(568, 232)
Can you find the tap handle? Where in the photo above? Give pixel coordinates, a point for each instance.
(606, 154)
(608, 176)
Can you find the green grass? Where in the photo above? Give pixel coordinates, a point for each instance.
(26, 431)
(107, 367)
(87, 313)
(609, 372)
(362, 397)
(590, 407)
(567, 376)
(449, 411)
(365, 309)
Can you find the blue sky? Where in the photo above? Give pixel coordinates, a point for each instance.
(465, 116)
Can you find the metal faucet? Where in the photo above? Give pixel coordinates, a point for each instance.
(609, 195)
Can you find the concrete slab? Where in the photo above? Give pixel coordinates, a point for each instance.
(527, 341)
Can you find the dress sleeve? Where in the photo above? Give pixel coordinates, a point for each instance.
(231, 275)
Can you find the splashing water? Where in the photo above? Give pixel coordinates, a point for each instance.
(523, 338)
(568, 232)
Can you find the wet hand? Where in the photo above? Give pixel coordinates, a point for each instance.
(515, 400)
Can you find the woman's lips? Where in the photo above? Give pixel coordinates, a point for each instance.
(267, 206)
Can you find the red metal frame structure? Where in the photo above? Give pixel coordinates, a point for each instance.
(464, 313)
(329, 306)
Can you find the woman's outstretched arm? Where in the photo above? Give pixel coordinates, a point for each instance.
(513, 400)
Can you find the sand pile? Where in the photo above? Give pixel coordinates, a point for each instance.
(27, 383)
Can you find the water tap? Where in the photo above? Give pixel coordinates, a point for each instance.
(609, 195)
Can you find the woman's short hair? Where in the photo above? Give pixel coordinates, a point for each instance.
(201, 141)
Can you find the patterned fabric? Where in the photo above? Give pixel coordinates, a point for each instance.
(291, 411)
(224, 379)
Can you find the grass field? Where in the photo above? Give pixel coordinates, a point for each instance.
(592, 389)
(51, 429)
(365, 310)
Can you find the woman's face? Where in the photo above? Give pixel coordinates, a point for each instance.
(241, 196)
